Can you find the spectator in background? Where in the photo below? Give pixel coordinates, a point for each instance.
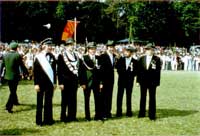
(168, 62)
(185, 60)
(197, 62)
(29, 58)
(174, 62)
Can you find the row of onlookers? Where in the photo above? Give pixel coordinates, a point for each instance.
(174, 58)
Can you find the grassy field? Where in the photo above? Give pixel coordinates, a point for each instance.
(178, 112)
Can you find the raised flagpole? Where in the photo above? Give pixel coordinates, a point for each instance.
(75, 30)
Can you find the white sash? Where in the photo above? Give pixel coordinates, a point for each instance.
(46, 66)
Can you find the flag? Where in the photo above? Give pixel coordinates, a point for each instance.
(69, 30)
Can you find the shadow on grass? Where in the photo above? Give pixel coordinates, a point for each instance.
(28, 107)
(79, 120)
(26, 82)
(21, 82)
(3, 86)
(25, 107)
(17, 131)
(164, 113)
(160, 113)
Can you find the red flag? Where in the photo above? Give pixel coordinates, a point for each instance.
(69, 30)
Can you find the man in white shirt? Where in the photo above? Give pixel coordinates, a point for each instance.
(127, 69)
(107, 77)
(149, 69)
(90, 81)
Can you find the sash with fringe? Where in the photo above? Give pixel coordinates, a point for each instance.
(45, 66)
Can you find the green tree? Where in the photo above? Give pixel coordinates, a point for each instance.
(188, 14)
(60, 11)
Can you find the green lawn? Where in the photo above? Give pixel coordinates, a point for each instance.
(178, 112)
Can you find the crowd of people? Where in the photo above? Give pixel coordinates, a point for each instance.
(92, 67)
(173, 58)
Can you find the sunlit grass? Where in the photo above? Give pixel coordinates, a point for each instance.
(178, 112)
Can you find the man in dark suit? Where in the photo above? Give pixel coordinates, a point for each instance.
(149, 70)
(68, 73)
(127, 69)
(90, 80)
(45, 82)
(107, 77)
(12, 61)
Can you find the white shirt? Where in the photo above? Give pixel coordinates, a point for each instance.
(128, 61)
(111, 57)
(29, 59)
(148, 61)
(92, 57)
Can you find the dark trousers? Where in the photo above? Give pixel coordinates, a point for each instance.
(120, 93)
(69, 100)
(45, 94)
(152, 101)
(13, 94)
(107, 93)
(97, 101)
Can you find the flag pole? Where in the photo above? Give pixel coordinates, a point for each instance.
(75, 30)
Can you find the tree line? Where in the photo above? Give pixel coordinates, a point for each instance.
(164, 23)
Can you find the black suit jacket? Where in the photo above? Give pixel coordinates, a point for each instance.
(40, 77)
(151, 76)
(64, 74)
(89, 71)
(107, 69)
(126, 75)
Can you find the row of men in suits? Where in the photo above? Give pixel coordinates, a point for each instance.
(96, 73)
(93, 73)
(72, 71)
(99, 77)
(47, 69)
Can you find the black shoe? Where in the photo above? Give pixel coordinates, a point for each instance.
(109, 115)
(119, 115)
(49, 122)
(141, 116)
(87, 118)
(100, 118)
(71, 119)
(97, 118)
(39, 123)
(17, 103)
(63, 119)
(152, 118)
(129, 114)
(9, 111)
